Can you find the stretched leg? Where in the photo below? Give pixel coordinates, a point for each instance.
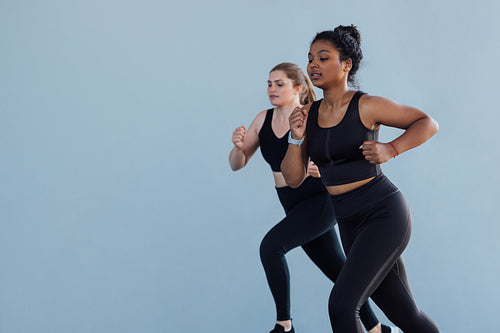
(394, 298)
(326, 252)
(373, 241)
(308, 219)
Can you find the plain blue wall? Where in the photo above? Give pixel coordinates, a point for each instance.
(118, 210)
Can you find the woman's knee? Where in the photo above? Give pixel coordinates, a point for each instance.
(270, 246)
(342, 307)
(407, 316)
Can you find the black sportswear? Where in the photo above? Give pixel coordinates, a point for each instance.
(273, 149)
(335, 150)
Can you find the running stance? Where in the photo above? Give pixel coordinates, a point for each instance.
(309, 217)
(341, 131)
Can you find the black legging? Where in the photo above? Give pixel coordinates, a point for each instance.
(375, 226)
(308, 223)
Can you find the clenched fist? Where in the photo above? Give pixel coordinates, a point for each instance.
(298, 121)
(313, 170)
(377, 152)
(239, 136)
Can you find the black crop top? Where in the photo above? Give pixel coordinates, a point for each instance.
(335, 150)
(273, 149)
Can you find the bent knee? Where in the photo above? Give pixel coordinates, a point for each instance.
(342, 307)
(407, 317)
(271, 247)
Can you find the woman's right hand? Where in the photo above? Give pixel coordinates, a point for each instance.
(313, 170)
(298, 120)
(238, 136)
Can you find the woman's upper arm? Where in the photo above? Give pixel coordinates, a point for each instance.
(251, 141)
(375, 111)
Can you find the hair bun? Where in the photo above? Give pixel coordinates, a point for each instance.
(350, 30)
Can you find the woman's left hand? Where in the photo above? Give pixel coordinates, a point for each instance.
(377, 152)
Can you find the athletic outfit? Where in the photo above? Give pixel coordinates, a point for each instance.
(374, 223)
(308, 223)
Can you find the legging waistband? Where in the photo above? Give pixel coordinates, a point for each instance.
(289, 197)
(364, 197)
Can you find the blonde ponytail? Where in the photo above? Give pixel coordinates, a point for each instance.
(307, 95)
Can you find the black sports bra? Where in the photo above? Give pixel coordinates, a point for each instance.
(273, 149)
(335, 150)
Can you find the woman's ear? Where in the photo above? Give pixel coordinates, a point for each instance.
(298, 89)
(347, 65)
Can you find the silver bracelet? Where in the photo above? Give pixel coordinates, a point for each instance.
(293, 141)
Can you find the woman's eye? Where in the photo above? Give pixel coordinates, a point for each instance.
(280, 84)
(323, 59)
(309, 61)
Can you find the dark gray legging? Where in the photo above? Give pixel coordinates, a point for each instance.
(375, 226)
(308, 223)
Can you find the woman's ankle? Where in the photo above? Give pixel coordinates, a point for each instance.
(287, 324)
(376, 329)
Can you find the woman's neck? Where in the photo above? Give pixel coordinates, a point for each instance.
(335, 97)
(284, 111)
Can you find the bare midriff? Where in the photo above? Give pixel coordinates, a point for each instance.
(339, 189)
(279, 180)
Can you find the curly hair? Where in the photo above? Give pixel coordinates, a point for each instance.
(347, 41)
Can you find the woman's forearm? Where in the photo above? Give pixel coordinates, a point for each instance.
(416, 134)
(293, 166)
(237, 159)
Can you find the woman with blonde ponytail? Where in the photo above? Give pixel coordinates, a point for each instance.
(309, 217)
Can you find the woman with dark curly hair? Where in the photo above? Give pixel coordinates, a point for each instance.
(339, 133)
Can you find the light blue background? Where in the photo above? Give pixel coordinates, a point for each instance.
(118, 210)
